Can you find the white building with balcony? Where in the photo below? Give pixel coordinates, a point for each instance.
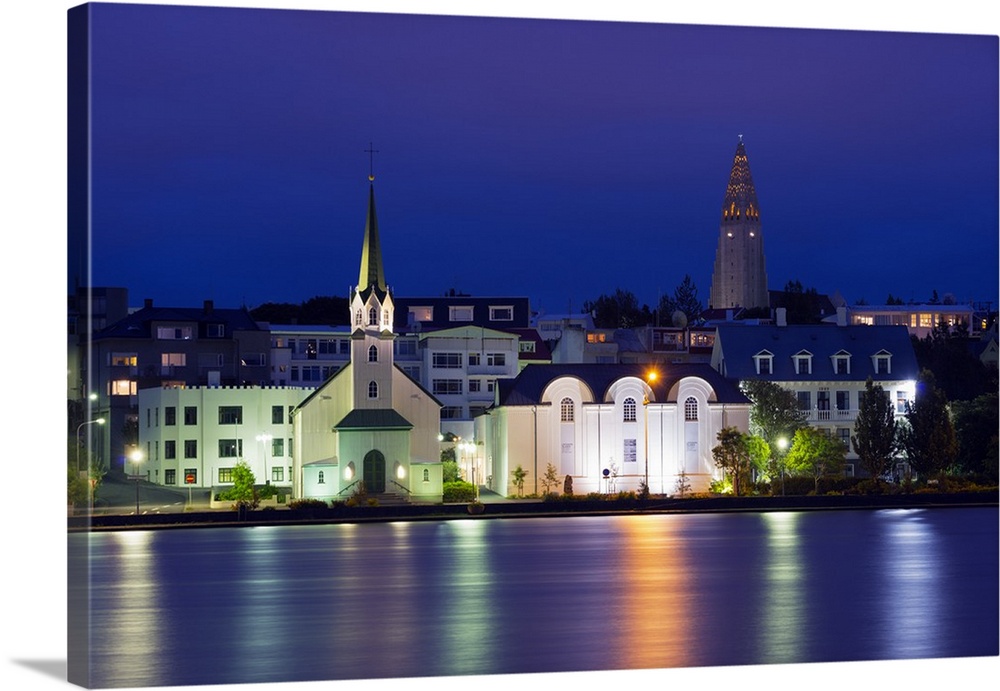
(461, 367)
(826, 366)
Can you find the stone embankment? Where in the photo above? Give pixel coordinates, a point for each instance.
(522, 508)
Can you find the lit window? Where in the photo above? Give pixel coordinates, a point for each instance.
(225, 474)
(123, 359)
(173, 359)
(121, 387)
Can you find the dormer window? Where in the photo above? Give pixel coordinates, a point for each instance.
(803, 362)
(764, 361)
(882, 362)
(841, 362)
(357, 318)
(372, 317)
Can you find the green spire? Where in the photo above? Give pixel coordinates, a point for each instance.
(371, 274)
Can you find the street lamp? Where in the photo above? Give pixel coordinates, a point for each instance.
(98, 421)
(266, 438)
(136, 456)
(782, 445)
(650, 378)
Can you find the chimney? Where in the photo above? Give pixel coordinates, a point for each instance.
(209, 305)
(148, 303)
(780, 316)
(842, 316)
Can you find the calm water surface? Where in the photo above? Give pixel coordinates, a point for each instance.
(300, 603)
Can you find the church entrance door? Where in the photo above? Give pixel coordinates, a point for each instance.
(374, 472)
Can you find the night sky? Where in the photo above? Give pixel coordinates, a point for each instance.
(554, 159)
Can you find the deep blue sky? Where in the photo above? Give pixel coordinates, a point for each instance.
(553, 159)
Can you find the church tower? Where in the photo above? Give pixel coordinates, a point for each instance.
(738, 278)
(372, 315)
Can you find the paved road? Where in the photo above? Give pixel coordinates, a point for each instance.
(118, 496)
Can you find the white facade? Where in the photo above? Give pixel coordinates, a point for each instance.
(634, 431)
(194, 436)
(462, 366)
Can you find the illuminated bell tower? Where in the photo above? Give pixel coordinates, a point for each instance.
(738, 278)
(371, 319)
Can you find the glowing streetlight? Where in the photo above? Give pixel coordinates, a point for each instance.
(136, 456)
(782, 445)
(98, 421)
(650, 378)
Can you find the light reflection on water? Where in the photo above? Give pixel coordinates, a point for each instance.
(403, 599)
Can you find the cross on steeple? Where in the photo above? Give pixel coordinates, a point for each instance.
(371, 151)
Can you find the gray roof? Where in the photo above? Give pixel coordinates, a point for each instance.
(528, 386)
(139, 323)
(380, 418)
(739, 344)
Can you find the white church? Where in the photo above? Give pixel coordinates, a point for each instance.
(369, 422)
(610, 428)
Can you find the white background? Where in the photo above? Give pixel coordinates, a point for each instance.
(32, 199)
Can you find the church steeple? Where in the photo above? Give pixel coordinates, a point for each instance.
(738, 278)
(371, 275)
(740, 202)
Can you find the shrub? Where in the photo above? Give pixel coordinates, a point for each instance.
(458, 491)
(298, 504)
(568, 485)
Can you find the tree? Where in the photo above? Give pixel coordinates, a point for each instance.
(449, 466)
(519, 474)
(774, 412)
(732, 456)
(618, 311)
(243, 493)
(760, 455)
(76, 485)
(928, 437)
(815, 453)
(976, 425)
(874, 438)
(550, 479)
(683, 485)
(331, 311)
(957, 371)
(685, 300)
(802, 305)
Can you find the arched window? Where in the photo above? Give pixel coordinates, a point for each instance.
(628, 410)
(357, 318)
(427, 475)
(372, 354)
(385, 317)
(566, 410)
(321, 480)
(691, 409)
(372, 317)
(373, 389)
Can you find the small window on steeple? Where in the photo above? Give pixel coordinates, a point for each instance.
(372, 317)
(373, 389)
(372, 354)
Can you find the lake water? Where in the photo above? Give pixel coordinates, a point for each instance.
(411, 599)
